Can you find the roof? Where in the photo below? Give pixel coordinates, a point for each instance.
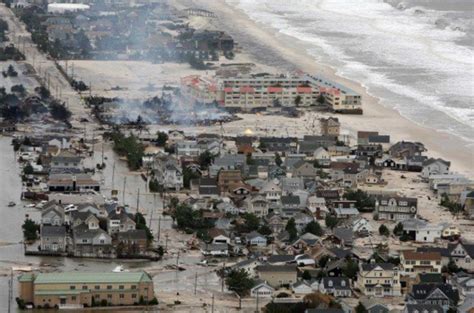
(254, 235)
(324, 311)
(372, 266)
(133, 234)
(337, 282)
(276, 268)
(88, 278)
(427, 256)
(422, 291)
(433, 160)
(345, 234)
(53, 231)
(293, 200)
(427, 308)
(278, 258)
(379, 138)
(427, 278)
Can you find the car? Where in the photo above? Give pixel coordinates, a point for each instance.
(70, 208)
(31, 205)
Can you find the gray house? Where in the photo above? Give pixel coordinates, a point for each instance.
(53, 238)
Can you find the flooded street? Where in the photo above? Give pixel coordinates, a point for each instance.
(166, 281)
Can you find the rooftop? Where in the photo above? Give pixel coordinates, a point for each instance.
(88, 278)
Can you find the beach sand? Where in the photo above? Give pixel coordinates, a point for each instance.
(285, 53)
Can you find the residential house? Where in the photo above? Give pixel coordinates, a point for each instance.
(363, 137)
(396, 208)
(361, 227)
(120, 221)
(66, 162)
(301, 287)
(339, 287)
(435, 167)
(187, 148)
(175, 136)
(304, 169)
(256, 239)
(262, 290)
(275, 222)
(272, 191)
(413, 263)
(216, 250)
(303, 243)
(423, 308)
(290, 185)
(283, 145)
(52, 215)
(257, 205)
(290, 205)
(463, 255)
(344, 235)
(72, 182)
(228, 179)
(346, 213)
(95, 243)
(317, 206)
(227, 162)
(441, 294)
(53, 238)
(322, 156)
(422, 231)
(404, 149)
(132, 242)
(330, 126)
(379, 279)
(277, 275)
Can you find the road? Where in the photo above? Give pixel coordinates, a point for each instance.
(47, 72)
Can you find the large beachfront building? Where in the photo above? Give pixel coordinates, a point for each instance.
(259, 91)
(78, 290)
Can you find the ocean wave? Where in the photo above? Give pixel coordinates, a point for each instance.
(401, 56)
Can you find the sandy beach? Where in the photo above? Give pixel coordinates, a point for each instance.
(286, 53)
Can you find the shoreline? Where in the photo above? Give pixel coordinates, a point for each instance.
(285, 53)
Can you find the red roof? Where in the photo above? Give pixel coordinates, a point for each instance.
(247, 89)
(333, 91)
(274, 89)
(302, 89)
(228, 89)
(212, 88)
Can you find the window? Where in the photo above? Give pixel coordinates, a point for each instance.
(134, 295)
(109, 296)
(122, 296)
(97, 287)
(134, 287)
(109, 287)
(121, 287)
(72, 287)
(73, 298)
(84, 287)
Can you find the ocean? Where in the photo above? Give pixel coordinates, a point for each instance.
(414, 55)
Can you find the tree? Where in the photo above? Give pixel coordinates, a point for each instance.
(239, 281)
(298, 100)
(321, 99)
(161, 139)
(291, 229)
(452, 267)
(189, 175)
(323, 261)
(360, 308)
(278, 160)
(252, 222)
(314, 228)
(265, 230)
(306, 275)
(331, 221)
(205, 159)
(398, 229)
(30, 230)
(350, 269)
(383, 230)
(249, 160)
(28, 169)
(59, 111)
(140, 223)
(364, 202)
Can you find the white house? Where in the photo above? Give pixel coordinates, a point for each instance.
(262, 290)
(301, 288)
(322, 156)
(435, 167)
(361, 226)
(221, 239)
(256, 239)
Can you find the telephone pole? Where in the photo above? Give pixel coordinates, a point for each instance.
(123, 191)
(138, 200)
(195, 282)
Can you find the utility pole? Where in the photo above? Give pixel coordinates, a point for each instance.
(123, 191)
(177, 261)
(212, 310)
(256, 310)
(138, 200)
(113, 176)
(166, 241)
(102, 164)
(159, 227)
(195, 282)
(222, 281)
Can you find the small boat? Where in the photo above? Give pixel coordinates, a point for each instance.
(22, 268)
(119, 269)
(11, 204)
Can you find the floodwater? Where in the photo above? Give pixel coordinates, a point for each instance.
(11, 248)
